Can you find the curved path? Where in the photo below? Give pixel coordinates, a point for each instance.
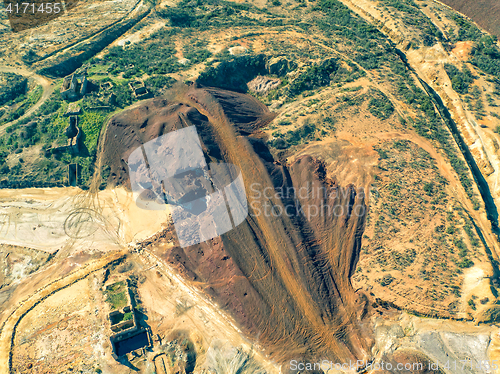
(47, 84)
(8, 330)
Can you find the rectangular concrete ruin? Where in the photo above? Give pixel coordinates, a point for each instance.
(74, 86)
(129, 335)
(161, 363)
(106, 86)
(73, 110)
(139, 89)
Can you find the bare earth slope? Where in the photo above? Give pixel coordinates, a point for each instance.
(285, 279)
(397, 97)
(485, 13)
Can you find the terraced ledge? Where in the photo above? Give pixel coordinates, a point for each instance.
(8, 330)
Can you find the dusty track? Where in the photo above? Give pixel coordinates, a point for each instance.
(8, 331)
(280, 246)
(46, 83)
(478, 217)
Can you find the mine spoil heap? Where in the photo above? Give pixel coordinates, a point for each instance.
(284, 278)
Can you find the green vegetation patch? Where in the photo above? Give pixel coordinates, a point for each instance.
(216, 14)
(117, 301)
(121, 317)
(314, 77)
(195, 51)
(24, 103)
(91, 124)
(295, 137)
(155, 55)
(11, 87)
(413, 16)
(466, 30)
(234, 74)
(460, 80)
(486, 55)
(380, 105)
(340, 23)
(158, 84)
(116, 295)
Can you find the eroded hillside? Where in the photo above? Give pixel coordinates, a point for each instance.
(284, 278)
(386, 112)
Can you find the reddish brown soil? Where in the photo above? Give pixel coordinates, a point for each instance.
(485, 13)
(285, 278)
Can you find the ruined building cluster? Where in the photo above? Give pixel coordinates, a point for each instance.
(74, 86)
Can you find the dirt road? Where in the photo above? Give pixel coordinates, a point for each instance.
(47, 84)
(8, 330)
(364, 10)
(455, 185)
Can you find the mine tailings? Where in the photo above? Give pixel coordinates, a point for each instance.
(482, 185)
(285, 278)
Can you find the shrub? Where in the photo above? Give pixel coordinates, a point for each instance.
(380, 105)
(314, 77)
(465, 263)
(284, 122)
(472, 304)
(383, 154)
(386, 280)
(429, 188)
(460, 80)
(178, 17)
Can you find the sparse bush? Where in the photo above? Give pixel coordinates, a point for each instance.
(386, 280)
(472, 304)
(314, 77)
(460, 80)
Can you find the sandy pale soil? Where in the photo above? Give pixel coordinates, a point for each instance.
(71, 220)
